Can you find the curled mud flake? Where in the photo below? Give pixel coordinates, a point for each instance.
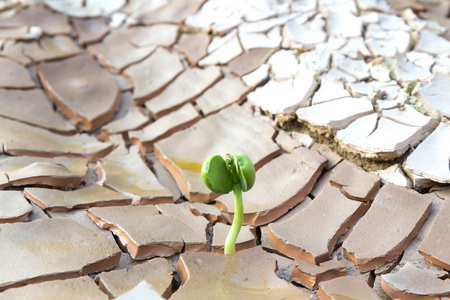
(310, 275)
(55, 172)
(13, 208)
(335, 114)
(354, 182)
(157, 272)
(144, 233)
(22, 139)
(411, 282)
(129, 175)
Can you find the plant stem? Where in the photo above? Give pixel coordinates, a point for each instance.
(230, 243)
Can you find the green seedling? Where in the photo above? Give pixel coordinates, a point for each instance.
(225, 175)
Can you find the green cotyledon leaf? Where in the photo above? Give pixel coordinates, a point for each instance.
(246, 171)
(216, 176)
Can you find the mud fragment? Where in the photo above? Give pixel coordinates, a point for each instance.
(310, 275)
(50, 22)
(91, 196)
(83, 287)
(193, 46)
(395, 175)
(434, 95)
(22, 139)
(413, 283)
(90, 30)
(75, 250)
(249, 273)
(227, 91)
(156, 272)
(307, 237)
(228, 50)
(437, 242)
(172, 11)
(193, 82)
(353, 287)
(354, 182)
(210, 212)
(250, 61)
(335, 114)
(286, 142)
(57, 172)
(431, 158)
(153, 74)
(13, 207)
(14, 76)
(163, 127)
(33, 107)
(51, 48)
(129, 117)
(72, 84)
(381, 226)
(198, 224)
(332, 157)
(145, 233)
(126, 46)
(129, 175)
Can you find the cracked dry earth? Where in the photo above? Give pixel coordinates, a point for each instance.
(108, 109)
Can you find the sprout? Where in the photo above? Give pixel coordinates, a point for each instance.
(223, 176)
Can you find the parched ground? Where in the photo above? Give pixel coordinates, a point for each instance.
(109, 108)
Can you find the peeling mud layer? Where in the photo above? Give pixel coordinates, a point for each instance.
(109, 108)
(324, 136)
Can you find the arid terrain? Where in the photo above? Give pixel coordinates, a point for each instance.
(109, 108)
